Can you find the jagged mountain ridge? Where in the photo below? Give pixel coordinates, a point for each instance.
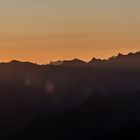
(128, 60)
(131, 59)
(29, 89)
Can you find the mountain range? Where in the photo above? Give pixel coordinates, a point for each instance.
(89, 100)
(128, 60)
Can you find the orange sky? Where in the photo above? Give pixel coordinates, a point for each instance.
(41, 31)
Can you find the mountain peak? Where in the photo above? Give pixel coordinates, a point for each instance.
(20, 63)
(15, 61)
(96, 62)
(74, 62)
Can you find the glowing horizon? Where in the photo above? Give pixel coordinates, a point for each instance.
(41, 31)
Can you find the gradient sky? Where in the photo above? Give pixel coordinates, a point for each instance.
(45, 30)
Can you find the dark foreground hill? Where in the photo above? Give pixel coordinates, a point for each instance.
(98, 118)
(72, 100)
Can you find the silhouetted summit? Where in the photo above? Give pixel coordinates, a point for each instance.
(97, 62)
(16, 63)
(74, 62)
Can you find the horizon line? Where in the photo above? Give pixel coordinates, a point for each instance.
(26, 61)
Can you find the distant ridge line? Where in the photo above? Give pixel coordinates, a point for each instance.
(78, 62)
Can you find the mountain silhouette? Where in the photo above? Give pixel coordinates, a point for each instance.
(99, 118)
(97, 62)
(87, 100)
(74, 62)
(123, 61)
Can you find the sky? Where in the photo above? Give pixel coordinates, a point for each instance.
(48, 30)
